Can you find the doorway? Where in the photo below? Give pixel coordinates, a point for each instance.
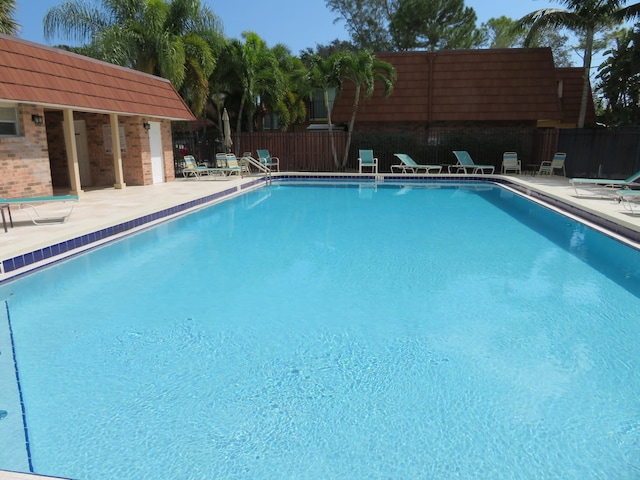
(157, 158)
(82, 148)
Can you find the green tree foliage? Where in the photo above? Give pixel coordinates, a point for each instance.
(585, 18)
(289, 105)
(173, 39)
(325, 51)
(502, 32)
(619, 80)
(364, 70)
(254, 81)
(255, 73)
(433, 25)
(8, 25)
(393, 25)
(367, 21)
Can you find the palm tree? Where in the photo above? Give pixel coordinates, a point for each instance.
(254, 67)
(8, 25)
(169, 38)
(288, 101)
(324, 74)
(364, 70)
(584, 17)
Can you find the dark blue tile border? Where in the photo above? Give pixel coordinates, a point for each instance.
(51, 251)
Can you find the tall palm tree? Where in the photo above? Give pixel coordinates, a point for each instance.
(8, 25)
(253, 65)
(585, 17)
(169, 38)
(324, 74)
(288, 101)
(364, 70)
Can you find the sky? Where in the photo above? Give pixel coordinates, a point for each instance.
(299, 24)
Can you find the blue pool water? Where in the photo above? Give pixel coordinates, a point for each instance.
(337, 332)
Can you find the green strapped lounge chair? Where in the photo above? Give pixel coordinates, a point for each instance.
(193, 169)
(606, 184)
(233, 166)
(556, 163)
(367, 160)
(467, 165)
(268, 161)
(408, 165)
(30, 203)
(510, 163)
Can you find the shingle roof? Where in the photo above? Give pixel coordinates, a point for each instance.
(572, 83)
(36, 74)
(464, 85)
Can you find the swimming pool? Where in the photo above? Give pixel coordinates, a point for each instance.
(336, 331)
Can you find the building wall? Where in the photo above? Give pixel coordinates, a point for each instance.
(136, 159)
(35, 162)
(24, 160)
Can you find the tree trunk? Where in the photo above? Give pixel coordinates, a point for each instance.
(240, 110)
(352, 122)
(588, 50)
(330, 126)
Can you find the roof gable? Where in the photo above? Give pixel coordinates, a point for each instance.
(32, 73)
(463, 85)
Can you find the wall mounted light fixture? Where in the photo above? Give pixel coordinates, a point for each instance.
(37, 119)
(146, 126)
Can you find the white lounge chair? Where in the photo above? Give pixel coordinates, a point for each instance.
(628, 198)
(192, 169)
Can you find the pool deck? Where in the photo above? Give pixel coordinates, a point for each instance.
(102, 208)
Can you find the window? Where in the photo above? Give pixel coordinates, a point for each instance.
(317, 110)
(8, 121)
(270, 122)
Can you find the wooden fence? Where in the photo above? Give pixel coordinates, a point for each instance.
(613, 153)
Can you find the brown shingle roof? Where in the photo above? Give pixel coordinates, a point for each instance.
(464, 85)
(572, 82)
(33, 73)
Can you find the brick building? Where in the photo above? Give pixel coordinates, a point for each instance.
(69, 122)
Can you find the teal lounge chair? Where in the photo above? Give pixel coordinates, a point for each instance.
(367, 160)
(408, 165)
(29, 203)
(467, 165)
(605, 185)
(510, 163)
(268, 161)
(549, 167)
